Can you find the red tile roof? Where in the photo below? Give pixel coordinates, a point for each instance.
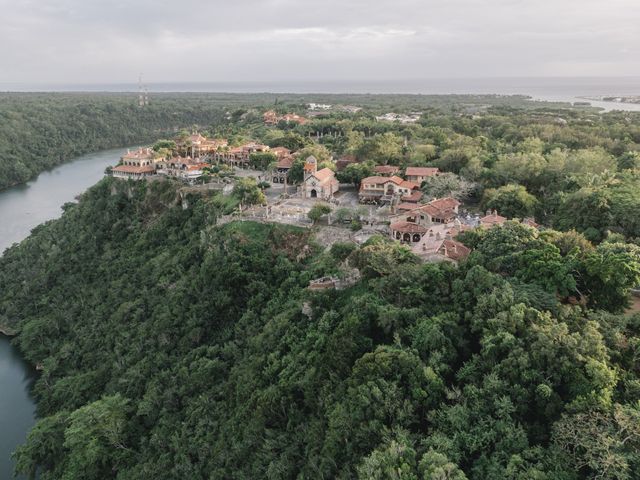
(421, 171)
(493, 219)
(443, 208)
(286, 162)
(145, 153)
(407, 227)
(413, 197)
(133, 169)
(405, 207)
(454, 250)
(280, 151)
(446, 203)
(409, 185)
(324, 175)
(455, 230)
(386, 169)
(376, 180)
(435, 212)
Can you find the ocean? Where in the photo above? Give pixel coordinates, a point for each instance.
(565, 89)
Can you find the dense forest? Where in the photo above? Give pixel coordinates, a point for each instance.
(173, 348)
(41, 130)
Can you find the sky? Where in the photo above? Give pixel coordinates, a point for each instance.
(113, 41)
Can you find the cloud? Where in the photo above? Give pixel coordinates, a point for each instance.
(86, 41)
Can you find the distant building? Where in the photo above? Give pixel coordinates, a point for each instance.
(293, 118)
(318, 183)
(400, 118)
(349, 108)
(319, 106)
(270, 117)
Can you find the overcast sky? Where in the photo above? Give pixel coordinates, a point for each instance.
(91, 41)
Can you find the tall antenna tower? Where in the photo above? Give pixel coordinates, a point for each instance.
(141, 94)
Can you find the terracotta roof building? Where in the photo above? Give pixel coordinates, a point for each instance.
(438, 244)
(280, 152)
(407, 232)
(414, 197)
(420, 174)
(138, 158)
(318, 183)
(133, 172)
(491, 219)
(443, 210)
(270, 117)
(239, 156)
(380, 189)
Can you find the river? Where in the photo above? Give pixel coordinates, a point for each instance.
(21, 209)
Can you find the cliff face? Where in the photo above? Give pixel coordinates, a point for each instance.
(175, 349)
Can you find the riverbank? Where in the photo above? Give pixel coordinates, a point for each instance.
(17, 406)
(18, 183)
(26, 206)
(7, 332)
(22, 208)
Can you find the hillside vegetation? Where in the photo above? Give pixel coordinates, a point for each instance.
(40, 131)
(175, 349)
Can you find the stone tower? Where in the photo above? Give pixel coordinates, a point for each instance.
(310, 166)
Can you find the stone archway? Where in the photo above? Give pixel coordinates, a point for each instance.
(416, 237)
(406, 238)
(313, 193)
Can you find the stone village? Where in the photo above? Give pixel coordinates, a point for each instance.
(390, 203)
